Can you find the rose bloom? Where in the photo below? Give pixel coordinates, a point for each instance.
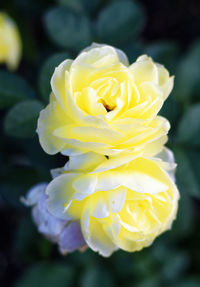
(124, 206)
(99, 103)
(65, 233)
(10, 42)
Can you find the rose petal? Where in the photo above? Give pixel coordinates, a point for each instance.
(71, 238)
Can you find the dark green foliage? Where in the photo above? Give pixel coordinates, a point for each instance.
(21, 120)
(164, 52)
(120, 21)
(54, 30)
(189, 126)
(95, 276)
(47, 274)
(67, 28)
(13, 89)
(188, 75)
(84, 6)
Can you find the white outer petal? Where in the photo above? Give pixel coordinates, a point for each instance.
(83, 162)
(84, 185)
(136, 181)
(121, 55)
(116, 199)
(101, 209)
(34, 194)
(105, 248)
(60, 193)
(115, 161)
(141, 182)
(166, 157)
(59, 78)
(47, 224)
(48, 122)
(57, 172)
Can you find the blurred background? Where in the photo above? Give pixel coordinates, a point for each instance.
(52, 31)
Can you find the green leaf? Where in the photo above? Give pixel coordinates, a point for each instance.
(121, 258)
(151, 281)
(133, 50)
(194, 159)
(186, 178)
(189, 127)
(81, 5)
(13, 89)
(188, 282)
(120, 22)
(28, 243)
(171, 110)
(175, 265)
(91, 6)
(188, 187)
(93, 277)
(163, 52)
(47, 72)
(185, 221)
(75, 5)
(15, 180)
(21, 120)
(68, 29)
(49, 274)
(188, 75)
(161, 249)
(39, 159)
(145, 264)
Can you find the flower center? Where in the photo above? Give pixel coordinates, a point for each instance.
(106, 106)
(107, 89)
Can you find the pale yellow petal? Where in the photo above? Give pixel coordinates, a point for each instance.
(144, 70)
(49, 120)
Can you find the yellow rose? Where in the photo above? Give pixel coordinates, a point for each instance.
(102, 104)
(10, 43)
(125, 207)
